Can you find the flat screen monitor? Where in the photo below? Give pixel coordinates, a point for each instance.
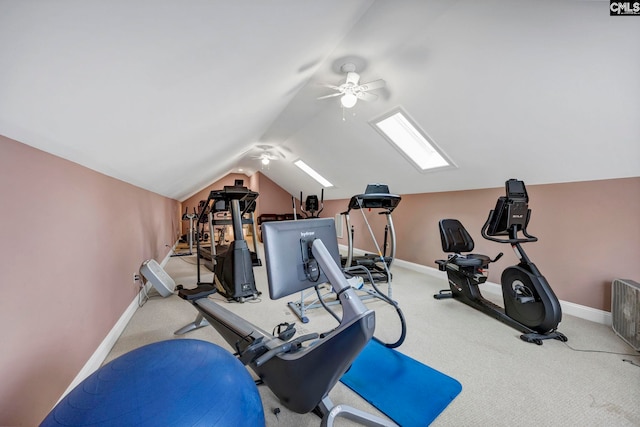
(286, 250)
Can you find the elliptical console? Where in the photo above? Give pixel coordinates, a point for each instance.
(530, 305)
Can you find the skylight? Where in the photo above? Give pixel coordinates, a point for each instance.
(414, 144)
(313, 174)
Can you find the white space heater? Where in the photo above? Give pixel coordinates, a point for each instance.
(625, 311)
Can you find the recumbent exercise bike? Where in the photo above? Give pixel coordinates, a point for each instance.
(530, 305)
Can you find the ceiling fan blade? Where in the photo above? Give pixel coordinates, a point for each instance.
(330, 96)
(376, 84)
(330, 86)
(366, 96)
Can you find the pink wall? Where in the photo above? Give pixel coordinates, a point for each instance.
(589, 233)
(273, 198)
(71, 240)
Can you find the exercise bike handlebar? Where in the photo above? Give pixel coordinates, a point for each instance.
(513, 233)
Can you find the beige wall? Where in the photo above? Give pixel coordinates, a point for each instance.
(71, 240)
(589, 233)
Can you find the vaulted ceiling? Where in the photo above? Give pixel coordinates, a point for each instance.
(172, 95)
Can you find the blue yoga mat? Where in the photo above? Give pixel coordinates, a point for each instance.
(407, 391)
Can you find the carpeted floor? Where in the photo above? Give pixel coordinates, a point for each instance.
(505, 382)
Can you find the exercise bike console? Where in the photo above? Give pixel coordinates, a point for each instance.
(530, 305)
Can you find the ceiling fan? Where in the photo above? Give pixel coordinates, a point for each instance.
(352, 90)
(267, 153)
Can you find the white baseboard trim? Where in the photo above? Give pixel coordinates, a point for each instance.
(570, 308)
(103, 350)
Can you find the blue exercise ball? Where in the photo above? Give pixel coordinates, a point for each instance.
(179, 382)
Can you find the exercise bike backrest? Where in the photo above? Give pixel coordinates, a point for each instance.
(454, 237)
(510, 216)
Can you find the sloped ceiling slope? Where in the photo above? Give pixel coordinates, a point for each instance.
(171, 96)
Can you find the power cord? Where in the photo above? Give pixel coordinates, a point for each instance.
(601, 351)
(385, 298)
(324, 305)
(143, 296)
(607, 352)
(182, 258)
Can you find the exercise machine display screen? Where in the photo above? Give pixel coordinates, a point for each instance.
(511, 210)
(287, 248)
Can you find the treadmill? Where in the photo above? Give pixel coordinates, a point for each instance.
(232, 264)
(376, 196)
(220, 213)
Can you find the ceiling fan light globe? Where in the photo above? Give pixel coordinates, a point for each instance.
(348, 100)
(265, 161)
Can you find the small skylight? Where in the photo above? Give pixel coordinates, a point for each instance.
(414, 144)
(313, 174)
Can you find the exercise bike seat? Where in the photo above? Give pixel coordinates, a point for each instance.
(457, 240)
(470, 260)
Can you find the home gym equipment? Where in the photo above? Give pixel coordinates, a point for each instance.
(189, 237)
(312, 207)
(233, 263)
(367, 268)
(168, 383)
(530, 305)
(219, 213)
(299, 255)
(272, 217)
(203, 215)
(376, 196)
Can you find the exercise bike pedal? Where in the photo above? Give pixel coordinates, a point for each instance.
(523, 294)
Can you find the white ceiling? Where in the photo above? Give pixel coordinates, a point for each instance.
(172, 95)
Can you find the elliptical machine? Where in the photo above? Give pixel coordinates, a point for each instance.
(530, 305)
(312, 207)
